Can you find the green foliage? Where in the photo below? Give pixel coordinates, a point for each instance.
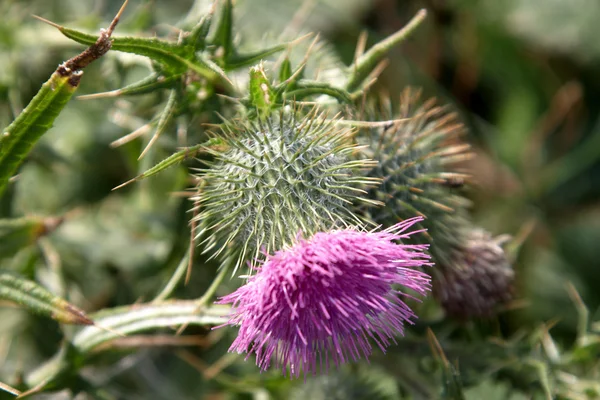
(216, 110)
(37, 299)
(19, 137)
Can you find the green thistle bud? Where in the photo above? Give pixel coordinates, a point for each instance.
(280, 176)
(477, 278)
(414, 155)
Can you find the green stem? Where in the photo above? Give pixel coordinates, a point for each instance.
(363, 66)
(175, 279)
(207, 296)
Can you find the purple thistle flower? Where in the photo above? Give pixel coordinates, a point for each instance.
(320, 301)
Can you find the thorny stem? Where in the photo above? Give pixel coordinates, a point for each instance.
(72, 66)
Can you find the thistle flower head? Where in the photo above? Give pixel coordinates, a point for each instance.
(477, 278)
(318, 302)
(415, 156)
(276, 177)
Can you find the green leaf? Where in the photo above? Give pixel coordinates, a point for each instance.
(18, 138)
(288, 78)
(175, 57)
(160, 50)
(452, 385)
(174, 159)
(365, 64)
(198, 35)
(314, 88)
(244, 60)
(19, 233)
(39, 300)
(223, 34)
(144, 317)
(223, 39)
(143, 86)
(165, 118)
(285, 72)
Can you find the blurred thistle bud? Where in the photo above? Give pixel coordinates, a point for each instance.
(317, 303)
(276, 177)
(415, 152)
(476, 278)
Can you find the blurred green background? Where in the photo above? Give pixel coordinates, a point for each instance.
(524, 75)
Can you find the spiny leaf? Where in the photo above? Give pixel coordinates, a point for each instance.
(285, 71)
(157, 49)
(197, 37)
(178, 58)
(363, 66)
(288, 78)
(244, 60)
(17, 140)
(223, 39)
(173, 159)
(143, 317)
(312, 88)
(165, 117)
(39, 300)
(223, 36)
(143, 86)
(236, 60)
(19, 137)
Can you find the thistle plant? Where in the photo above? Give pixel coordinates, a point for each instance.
(270, 201)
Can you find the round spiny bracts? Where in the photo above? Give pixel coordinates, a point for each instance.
(285, 175)
(477, 279)
(415, 152)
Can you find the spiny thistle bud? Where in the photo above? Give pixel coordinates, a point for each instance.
(318, 302)
(473, 275)
(414, 153)
(478, 277)
(277, 177)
